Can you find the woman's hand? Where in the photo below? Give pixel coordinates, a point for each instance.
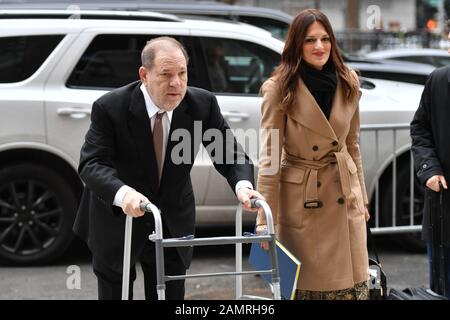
(366, 214)
(262, 230)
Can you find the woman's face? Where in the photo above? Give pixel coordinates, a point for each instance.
(316, 46)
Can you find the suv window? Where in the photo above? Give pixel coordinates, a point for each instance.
(418, 59)
(436, 61)
(20, 57)
(112, 61)
(395, 76)
(237, 67)
(233, 67)
(278, 29)
(441, 61)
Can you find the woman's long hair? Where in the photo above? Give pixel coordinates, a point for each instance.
(287, 72)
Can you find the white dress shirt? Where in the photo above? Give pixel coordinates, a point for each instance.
(152, 110)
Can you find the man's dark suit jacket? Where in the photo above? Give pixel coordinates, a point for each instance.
(430, 133)
(118, 150)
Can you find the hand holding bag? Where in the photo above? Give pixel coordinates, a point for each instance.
(377, 279)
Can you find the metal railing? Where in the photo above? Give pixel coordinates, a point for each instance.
(376, 130)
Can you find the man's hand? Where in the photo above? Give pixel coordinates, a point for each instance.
(433, 183)
(245, 194)
(130, 203)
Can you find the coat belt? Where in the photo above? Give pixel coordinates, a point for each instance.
(311, 169)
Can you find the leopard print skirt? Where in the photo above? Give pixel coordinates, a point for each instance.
(360, 291)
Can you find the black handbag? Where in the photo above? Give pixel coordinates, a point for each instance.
(436, 229)
(377, 280)
(437, 256)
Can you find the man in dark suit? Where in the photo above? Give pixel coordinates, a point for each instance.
(430, 133)
(127, 159)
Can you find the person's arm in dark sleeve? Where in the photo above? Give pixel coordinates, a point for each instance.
(232, 162)
(423, 148)
(96, 157)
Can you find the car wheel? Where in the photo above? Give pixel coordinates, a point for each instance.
(410, 241)
(37, 210)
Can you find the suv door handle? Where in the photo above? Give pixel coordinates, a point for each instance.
(235, 116)
(74, 113)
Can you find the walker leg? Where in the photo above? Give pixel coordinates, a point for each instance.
(126, 258)
(160, 283)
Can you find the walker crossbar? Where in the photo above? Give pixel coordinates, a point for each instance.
(189, 240)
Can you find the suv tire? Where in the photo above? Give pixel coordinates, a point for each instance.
(37, 210)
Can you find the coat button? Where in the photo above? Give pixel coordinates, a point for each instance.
(341, 200)
(424, 166)
(315, 148)
(318, 184)
(334, 143)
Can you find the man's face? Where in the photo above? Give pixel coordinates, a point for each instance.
(166, 81)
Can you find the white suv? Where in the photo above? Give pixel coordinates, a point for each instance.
(54, 64)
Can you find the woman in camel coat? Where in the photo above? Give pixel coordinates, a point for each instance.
(310, 117)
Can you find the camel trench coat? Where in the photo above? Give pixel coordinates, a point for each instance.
(316, 191)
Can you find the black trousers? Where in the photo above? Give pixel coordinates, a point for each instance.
(110, 282)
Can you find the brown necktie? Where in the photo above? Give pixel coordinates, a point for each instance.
(158, 141)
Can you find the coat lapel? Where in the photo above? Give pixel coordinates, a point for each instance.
(341, 112)
(311, 116)
(140, 128)
(307, 112)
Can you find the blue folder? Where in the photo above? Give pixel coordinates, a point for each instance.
(288, 266)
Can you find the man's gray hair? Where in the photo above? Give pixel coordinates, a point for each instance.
(149, 52)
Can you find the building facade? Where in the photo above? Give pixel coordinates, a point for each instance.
(380, 14)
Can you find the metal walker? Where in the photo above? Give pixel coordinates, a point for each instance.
(238, 239)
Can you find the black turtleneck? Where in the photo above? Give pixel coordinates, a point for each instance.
(321, 83)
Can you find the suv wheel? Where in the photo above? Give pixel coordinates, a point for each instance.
(37, 209)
